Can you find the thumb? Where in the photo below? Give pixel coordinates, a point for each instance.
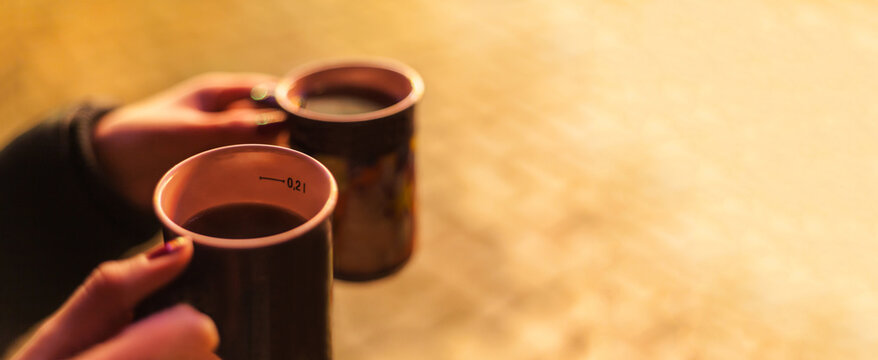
(104, 303)
(179, 332)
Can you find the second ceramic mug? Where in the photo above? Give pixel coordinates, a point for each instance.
(357, 117)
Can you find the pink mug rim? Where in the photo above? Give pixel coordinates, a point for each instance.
(321, 216)
(285, 85)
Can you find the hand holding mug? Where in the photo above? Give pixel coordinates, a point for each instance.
(96, 321)
(137, 143)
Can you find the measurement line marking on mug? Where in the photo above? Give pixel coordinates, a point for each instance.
(295, 185)
(268, 178)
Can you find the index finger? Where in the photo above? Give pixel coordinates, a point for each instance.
(216, 91)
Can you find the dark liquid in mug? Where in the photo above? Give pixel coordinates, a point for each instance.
(243, 221)
(346, 101)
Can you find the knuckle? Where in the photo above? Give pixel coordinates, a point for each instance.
(107, 280)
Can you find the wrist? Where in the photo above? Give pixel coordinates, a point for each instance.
(116, 171)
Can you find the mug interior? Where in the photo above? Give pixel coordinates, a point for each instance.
(392, 80)
(261, 174)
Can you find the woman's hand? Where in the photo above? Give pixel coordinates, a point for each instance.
(95, 322)
(136, 144)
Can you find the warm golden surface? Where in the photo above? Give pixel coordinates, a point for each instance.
(598, 179)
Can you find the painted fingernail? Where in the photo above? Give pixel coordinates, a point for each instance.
(263, 95)
(270, 117)
(168, 248)
(261, 92)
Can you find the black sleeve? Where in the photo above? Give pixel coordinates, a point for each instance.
(59, 218)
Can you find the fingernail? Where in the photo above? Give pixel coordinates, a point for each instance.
(270, 117)
(263, 95)
(168, 248)
(261, 92)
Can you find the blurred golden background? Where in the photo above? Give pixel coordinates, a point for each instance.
(597, 179)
